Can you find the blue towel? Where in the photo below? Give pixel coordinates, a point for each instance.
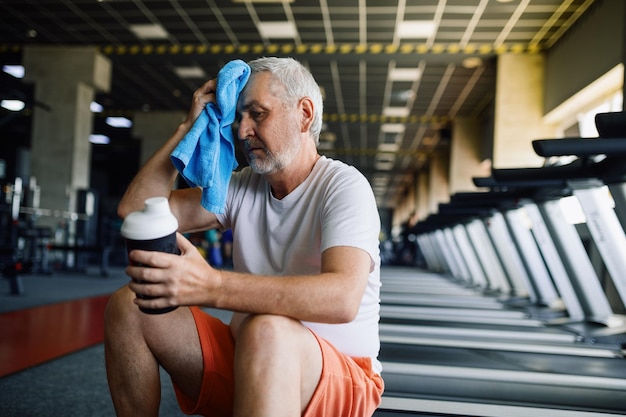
(205, 157)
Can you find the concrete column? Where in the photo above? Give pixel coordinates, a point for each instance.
(411, 198)
(519, 111)
(422, 205)
(403, 206)
(465, 155)
(153, 129)
(66, 79)
(438, 186)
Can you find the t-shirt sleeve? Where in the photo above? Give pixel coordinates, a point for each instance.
(350, 214)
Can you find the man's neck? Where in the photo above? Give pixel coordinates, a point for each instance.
(287, 180)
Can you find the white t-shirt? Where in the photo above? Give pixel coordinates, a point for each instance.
(334, 206)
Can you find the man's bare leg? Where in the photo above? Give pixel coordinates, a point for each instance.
(135, 345)
(278, 364)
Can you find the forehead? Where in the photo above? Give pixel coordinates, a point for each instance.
(259, 88)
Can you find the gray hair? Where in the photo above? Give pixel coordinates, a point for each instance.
(297, 81)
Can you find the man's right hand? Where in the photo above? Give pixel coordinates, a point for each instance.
(201, 97)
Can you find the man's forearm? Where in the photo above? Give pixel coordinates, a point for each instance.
(333, 296)
(155, 178)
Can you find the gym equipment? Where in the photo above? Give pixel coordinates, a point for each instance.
(11, 264)
(450, 352)
(27, 247)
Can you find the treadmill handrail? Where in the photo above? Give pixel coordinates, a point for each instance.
(580, 147)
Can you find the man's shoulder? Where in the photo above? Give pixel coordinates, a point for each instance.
(331, 166)
(339, 172)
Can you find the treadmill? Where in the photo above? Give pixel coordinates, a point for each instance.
(469, 379)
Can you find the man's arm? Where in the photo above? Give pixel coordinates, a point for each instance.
(157, 176)
(333, 296)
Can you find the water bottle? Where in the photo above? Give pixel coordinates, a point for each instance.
(153, 229)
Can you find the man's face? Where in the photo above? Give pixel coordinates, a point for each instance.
(269, 127)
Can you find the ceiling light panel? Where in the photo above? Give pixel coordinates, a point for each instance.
(190, 72)
(277, 30)
(12, 105)
(416, 29)
(96, 107)
(15, 70)
(122, 122)
(98, 139)
(392, 128)
(396, 111)
(404, 74)
(385, 161)
(149, 31)
(388, 147)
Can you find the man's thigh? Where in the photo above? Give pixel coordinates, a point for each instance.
(348, 386)
(216, 350)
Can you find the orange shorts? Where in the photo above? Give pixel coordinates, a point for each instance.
(347, 387)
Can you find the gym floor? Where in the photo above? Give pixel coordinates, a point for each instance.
(52, 356)
(51, 352)
(51, 347)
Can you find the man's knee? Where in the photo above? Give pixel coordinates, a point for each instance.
(265, 330)
(119, 306)
(279, 351)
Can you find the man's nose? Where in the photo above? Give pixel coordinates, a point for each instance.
(244, 129)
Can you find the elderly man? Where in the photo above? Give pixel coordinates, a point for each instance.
(304, 292)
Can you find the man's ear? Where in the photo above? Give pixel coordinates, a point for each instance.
(307, 111)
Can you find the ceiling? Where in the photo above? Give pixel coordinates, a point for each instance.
(387, 127)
